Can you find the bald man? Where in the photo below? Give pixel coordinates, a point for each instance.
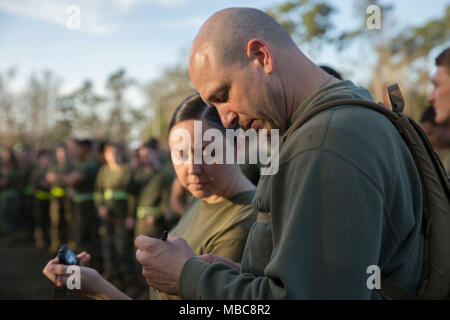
(345, 200)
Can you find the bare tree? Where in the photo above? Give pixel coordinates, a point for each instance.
(40, 104)
(118, 126)
(7, 99)
(164, 94)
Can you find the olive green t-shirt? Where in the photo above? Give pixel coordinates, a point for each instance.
(219, 228)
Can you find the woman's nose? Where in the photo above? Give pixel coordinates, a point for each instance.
(193, 167)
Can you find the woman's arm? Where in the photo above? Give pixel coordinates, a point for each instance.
(92, 284)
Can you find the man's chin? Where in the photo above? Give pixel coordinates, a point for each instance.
(259, 125)
(442, 118)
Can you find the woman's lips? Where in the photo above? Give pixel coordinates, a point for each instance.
(199, 186)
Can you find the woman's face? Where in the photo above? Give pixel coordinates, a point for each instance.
(60, 155)
(202, 180)
(111, 155)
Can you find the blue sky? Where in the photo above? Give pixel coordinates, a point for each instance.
(143, 36)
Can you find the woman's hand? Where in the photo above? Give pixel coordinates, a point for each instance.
(91, 282)
(89, 278)
(84, 258)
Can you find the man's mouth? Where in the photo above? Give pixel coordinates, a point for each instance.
(249, 124)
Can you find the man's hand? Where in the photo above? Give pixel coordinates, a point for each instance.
(162, 261)
(211, 258)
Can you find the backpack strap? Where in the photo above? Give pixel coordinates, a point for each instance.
(338, 103)
(396, 98)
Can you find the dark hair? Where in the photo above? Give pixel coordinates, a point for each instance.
(86, 143)
(100, 146)
(443, 59)
(429, 115)
(153, 144)
(111, 145)
(331, 71)
(194, 108)
(60, 146)
(42, 153)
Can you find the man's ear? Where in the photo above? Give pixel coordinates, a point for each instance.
(258, 50)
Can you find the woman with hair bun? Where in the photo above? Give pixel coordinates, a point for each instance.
(216, 221)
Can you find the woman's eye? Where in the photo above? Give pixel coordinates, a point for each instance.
(178, 153)
(211, 153)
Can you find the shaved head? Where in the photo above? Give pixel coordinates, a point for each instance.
(228, 31)
(247, 66)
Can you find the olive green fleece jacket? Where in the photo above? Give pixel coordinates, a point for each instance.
(347, 196)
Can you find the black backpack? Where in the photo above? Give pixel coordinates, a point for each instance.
(435, 280)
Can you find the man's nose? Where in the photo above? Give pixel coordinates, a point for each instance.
(430, 97)
(229, 118)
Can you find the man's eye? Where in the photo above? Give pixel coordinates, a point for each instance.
(223, 97)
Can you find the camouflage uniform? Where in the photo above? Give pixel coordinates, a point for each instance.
(9, 198)
(41, 197)
(25, 219)
(84, 215)
(60, 210)
(112, 190)
(154, 200)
